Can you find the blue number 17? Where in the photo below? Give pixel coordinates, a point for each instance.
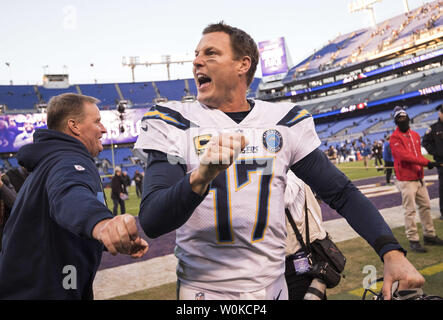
(220, 188)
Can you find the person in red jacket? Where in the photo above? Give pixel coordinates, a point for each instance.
(408, 165)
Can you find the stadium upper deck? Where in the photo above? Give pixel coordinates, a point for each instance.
(27, 98)
(400, 46)
(390, 36)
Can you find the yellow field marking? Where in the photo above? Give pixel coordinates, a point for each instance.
(359, 292)
(429, 271)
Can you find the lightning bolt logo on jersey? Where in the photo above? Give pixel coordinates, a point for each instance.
(239, 228)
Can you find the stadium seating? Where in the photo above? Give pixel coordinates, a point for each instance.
(139, 93)
(47, 94)
(106, 93)
(173, 90)
(378, 125)
(18, 97)
(358, 46)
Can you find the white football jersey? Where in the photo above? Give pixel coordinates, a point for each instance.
(235, 239)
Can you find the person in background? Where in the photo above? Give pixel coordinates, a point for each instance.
(433, 143)
(296, 193)
(118, 194)
(388, 159)
(126, 182)
(138, 180)
(7, 198)
(25, 136)
(377, 154)
(408, 165)
(17, 177)
(365, 152)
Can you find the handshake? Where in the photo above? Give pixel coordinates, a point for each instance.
(434, 164)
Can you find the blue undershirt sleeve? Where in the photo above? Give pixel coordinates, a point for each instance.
(335, 189)
(168, 200)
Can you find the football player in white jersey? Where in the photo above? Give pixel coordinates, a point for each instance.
(216, 173)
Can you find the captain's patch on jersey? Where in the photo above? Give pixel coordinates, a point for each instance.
(200, 143)
(272, 140)
(79, 167)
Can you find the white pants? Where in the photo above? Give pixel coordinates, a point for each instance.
(277, 290)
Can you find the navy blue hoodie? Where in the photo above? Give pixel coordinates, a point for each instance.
(48, 250)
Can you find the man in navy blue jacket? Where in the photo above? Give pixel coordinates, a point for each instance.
(54, 238)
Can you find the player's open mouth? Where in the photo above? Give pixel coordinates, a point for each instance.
(203, 81)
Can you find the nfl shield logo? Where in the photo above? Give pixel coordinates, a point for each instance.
(200, 296)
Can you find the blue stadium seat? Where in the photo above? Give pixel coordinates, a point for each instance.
(106, 93)
(173, 89)
(139, 93)
(47, 94)
(18, 97)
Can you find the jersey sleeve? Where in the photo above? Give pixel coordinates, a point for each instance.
(162, 129)
(301, 132)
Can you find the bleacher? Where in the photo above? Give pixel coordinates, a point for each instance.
(106, 93)
(139, 93)
(361, 45)
(173, 89)
(378, 125)
(18, 97)
(47, 94)
(375, 92)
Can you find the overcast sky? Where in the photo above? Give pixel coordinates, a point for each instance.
(68, 36)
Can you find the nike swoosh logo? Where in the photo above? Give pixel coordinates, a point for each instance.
(145, 128)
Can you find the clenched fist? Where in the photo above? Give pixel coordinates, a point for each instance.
(120, 235)
(220, 153)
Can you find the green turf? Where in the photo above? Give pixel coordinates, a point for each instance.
(358, 254)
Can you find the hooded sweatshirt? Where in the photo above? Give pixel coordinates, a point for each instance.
(48, 250)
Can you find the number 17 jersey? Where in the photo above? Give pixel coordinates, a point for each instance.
(234, 241)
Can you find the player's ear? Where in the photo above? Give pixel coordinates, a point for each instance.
(245, 65)
(73, 128)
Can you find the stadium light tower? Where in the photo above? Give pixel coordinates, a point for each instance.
(359, 5)
(166, 59)
(405, 3)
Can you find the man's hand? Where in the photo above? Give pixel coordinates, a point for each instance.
(220, 153)
(119, 235)
(398, 268)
